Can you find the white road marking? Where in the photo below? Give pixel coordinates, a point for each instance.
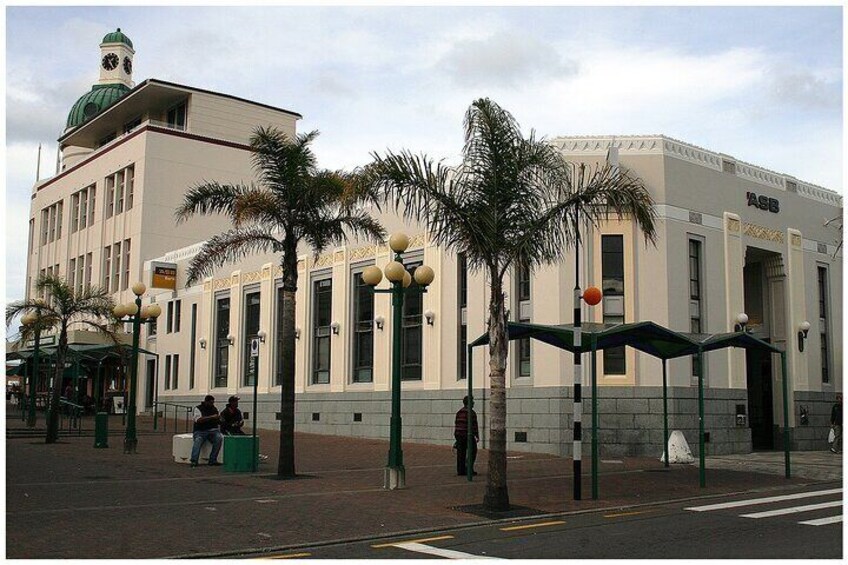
(823, 521)
(440, 551)
(767, 500)
(793, 510)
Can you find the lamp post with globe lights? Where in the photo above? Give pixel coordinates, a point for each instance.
(400, 279)
(134, 314)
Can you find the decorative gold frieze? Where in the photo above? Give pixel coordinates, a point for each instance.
(325, 260)
(361, 253)
(762, 232)
(250, 277)
(339, 257)
(417, 241)
(732, 225)
(219, 284)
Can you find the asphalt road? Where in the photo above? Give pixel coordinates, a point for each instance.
(800, 523)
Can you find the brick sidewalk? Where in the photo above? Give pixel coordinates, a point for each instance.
(70, 500)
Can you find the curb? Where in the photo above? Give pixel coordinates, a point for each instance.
(259, 551)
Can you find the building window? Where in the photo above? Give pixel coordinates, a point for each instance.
(91, 201)
(116, 267)
(462, 329)
(411, 330)
(89, 268)
(169, 318)
(175, 381)
(72, 273)
(222, 343)
(129, 183)
(110, 196)
(31, 234)
(75, 208)
(81, 273)
(192, 350)
(251, 329)
(823, 323)
(45, 215)
(322, 306)
(178, 314)
(695, 298)
(127, 265)
(107, 266)
(177, 117)
(612, 280)
(119, 192)
(59, 215)
(363, 331)
(132, 124)
(523, 287)
(167, 372)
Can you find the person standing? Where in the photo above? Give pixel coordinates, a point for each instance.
(836, 424)
(232, 421)
(460, 433)
(206, 422)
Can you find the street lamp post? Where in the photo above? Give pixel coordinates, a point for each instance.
(33, 319)
(134, 314)
(396, 273)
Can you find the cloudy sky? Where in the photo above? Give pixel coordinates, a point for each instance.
(762, 84)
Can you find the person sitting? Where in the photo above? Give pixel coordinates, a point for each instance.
(232, 421)
(206, 421)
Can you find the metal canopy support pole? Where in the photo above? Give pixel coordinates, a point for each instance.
(395, 474)
(469, 459)
(255, 416)
(786, 439)
(31, 419)
(594, 417)
(665, 413)
(577, 448)
(702, 474)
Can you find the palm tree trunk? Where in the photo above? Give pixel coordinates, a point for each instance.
(497, 494)
(55, 393)
(285, 463)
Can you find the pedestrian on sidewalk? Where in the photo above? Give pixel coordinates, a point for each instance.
(460, 433)
(836, 424)
(232, 421)
(206, 422)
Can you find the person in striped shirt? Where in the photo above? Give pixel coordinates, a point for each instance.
(460, 433)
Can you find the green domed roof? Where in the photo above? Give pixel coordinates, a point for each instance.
(91, 103)
(116, 37)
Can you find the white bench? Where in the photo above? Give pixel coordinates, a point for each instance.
(182, 444)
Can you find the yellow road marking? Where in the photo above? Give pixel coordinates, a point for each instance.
(625, 514)
(291, 556)
(394, 543)
(528, 526)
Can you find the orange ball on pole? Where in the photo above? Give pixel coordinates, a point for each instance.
(592, 295)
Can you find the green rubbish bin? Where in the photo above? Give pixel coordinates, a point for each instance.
(101, 429)
(239, 453)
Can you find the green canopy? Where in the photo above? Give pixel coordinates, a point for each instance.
(96, 352)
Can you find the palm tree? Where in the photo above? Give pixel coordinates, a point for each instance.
(63, 308)
(511, 202)
(293, 203)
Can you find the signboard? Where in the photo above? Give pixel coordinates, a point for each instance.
(164, 275)
(45, 340)
(254, 347)
(763, 202)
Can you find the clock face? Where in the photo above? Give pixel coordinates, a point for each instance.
(127, 65)
(110, 61)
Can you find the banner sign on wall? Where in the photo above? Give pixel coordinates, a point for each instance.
(164, 276)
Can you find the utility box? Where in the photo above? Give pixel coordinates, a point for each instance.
(242, 453)
(101, 429)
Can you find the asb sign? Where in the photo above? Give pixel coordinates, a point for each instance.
(164, 276)
(763, 202)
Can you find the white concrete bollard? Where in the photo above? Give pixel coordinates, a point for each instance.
(678, 449)
(181, 450)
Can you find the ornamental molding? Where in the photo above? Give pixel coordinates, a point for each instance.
(220, 284)
(361, 253)
(339, 256)
(325, 260)
(762, 232)
(253, 276)
(418, 241)
(662, 145)
(733, 225)
(795, 240)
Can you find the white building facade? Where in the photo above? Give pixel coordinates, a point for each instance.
(732, 237)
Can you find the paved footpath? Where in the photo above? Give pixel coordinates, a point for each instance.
(69, 500)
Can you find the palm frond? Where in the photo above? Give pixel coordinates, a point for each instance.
(210, 198)
(230, 247)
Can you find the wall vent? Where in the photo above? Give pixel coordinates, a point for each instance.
(696, 218)
(520, 437)
(822, 247)
(316, 416)
(357, 416)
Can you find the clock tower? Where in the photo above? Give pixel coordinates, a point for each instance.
(116, 59)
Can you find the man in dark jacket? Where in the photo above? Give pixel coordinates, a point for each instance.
(206, 422)
(460, 433)
(836, 423)
(232, 421)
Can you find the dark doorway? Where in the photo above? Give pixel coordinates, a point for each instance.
(151, 382)
(760, 401)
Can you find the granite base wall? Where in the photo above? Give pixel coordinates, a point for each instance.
(630, 419)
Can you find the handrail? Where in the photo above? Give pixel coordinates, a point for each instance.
(74, 414)
(188, 410)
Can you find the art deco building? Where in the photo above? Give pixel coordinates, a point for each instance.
(732, 237)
